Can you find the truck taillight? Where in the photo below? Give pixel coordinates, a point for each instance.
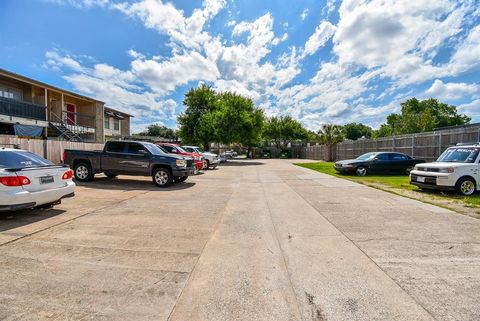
(14, 180)
(68, 174)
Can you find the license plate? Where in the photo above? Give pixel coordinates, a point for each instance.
(46, 179)
(421, 179)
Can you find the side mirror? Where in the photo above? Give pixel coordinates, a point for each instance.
(143, 152)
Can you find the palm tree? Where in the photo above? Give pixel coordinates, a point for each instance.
(330, 135)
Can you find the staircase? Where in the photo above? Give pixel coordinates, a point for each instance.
(59, 127)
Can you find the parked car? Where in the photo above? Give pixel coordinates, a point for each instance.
(176, 149)
(222, 158)
(230, 154)
(129, 158)
(378, 162)
(28, 180)
(209, 159)
(457, 169)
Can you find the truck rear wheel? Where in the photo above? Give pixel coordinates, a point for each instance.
(83, 172)
(162, 177)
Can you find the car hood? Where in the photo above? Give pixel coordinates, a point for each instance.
(443, 164)
(349, 161)
(209, 154)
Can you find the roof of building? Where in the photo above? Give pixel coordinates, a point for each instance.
(42, 84)
(117, 111)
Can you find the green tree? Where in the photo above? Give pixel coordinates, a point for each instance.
(282, 130)
(421, 115)
(355, 131)
(237, 120)
(330, 135)
(158, 130)
(196, 123)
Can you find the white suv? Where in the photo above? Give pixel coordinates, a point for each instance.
(210, 159)
(456, 169)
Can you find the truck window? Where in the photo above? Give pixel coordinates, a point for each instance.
(115, 147)
(134, 148)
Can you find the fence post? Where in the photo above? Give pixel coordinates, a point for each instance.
(393, 143)
(440, 142)
(413, 145)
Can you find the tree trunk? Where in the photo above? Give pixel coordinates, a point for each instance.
(206, 146)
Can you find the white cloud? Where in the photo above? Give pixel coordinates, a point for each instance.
(322, 34)
(466, 58)
(329, 7)
(304, 14)
(399, 37)
(452, 91)
(472, 108)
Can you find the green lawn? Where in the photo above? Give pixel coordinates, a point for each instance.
(398, 183)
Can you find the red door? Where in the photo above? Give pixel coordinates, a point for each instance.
(70, 114)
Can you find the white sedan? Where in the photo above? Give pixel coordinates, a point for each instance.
(28, 180)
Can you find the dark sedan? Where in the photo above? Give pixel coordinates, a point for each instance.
(378, 162)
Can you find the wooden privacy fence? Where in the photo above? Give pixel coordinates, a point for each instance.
(427, 146)
(49, 149)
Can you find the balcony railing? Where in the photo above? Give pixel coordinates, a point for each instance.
(16, 108)
(77, 119)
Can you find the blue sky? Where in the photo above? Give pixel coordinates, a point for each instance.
(318, 61)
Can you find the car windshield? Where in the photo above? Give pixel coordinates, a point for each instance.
(366, 156)
(21, 159)
(459, 155)
(154, 149)
(189, 149)
(181, 149)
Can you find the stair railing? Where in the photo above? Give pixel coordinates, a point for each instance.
(65, 132)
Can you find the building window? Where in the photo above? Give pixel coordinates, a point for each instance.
(107, 122)
(116, 124)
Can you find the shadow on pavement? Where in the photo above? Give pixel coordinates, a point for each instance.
(16, 219)
(242, 163)
(126, 184)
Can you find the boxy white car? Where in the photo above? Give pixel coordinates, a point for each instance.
(457, 169)
(210, 159)
(28, 180)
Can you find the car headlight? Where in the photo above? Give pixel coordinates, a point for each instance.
(446, 170)
(181, 163)
(347, 165)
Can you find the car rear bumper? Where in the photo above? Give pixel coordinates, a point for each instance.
(16, 200)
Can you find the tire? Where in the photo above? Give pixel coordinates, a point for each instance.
(361, 171)
(466, 186)
(111, 175)
(162, 177)
(83, 172)
(180, 179)
(205, 164)
(408, 170)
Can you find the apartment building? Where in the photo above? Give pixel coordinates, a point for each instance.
(34, 109)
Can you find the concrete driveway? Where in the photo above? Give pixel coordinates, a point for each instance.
(254, 240)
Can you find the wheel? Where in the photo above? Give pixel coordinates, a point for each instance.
(465, 186)
(361, 171)
(408, 170)
(205, 164)
(162, 177)
(83, 172)
(180, 179)
(110, 175)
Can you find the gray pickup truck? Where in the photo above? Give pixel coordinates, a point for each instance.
(129, 158)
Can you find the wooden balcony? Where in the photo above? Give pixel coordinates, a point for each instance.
(16, 108)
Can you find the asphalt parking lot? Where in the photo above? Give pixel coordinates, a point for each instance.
(254, 240)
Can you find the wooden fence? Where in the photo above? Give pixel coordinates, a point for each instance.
(50, 149)
(427, 146)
